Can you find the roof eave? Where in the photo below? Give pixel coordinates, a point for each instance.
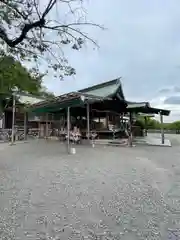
(84, 98)
(104, 84)
(148, 109)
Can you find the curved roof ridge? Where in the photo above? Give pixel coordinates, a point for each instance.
(103, 84)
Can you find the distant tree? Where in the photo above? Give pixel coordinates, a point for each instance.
(150, 123)
(174, 125)
(153, 124)
(166, 126)
(34, 30)
(15, 76)
(140, 122)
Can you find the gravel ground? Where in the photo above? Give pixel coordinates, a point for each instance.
(99, 193)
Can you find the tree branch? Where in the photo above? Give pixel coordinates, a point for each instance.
(27, 27)
(29, 19)
(12, 43)
(73, 24)
(58, 28)
(14, 9)
(49, 7)
(36, 7)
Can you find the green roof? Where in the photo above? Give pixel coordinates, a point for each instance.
(66, 100)
(146, 115)
(144, 107)
(106, 89)
(133, 105)
(25, 98)
(99, 92)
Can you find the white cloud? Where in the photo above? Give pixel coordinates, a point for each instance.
(166, 98)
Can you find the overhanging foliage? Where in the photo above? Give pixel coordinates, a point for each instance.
(37, 30)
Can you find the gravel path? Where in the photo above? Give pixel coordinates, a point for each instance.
(99, 193)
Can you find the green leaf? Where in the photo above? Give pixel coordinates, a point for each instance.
(13, 74)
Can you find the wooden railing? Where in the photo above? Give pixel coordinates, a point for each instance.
(5, 134)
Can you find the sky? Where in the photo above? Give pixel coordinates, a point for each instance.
(141, 44)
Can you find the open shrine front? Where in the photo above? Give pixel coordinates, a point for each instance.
(98, 112)
(103, 125)
(92, 119)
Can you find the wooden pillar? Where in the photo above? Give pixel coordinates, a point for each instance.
(25, 125)
(3, 120)
(145, 121)
(162, 128)
(51, 121)
(130, 130)
(88, 122)
(39, 128)
(60, 123)
(107, 120)
(68, 129)
(46, 125)
(13, 119)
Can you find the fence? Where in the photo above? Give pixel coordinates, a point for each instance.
(166, 131)
(6, 134)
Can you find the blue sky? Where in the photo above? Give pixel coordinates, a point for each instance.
(141, 45)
